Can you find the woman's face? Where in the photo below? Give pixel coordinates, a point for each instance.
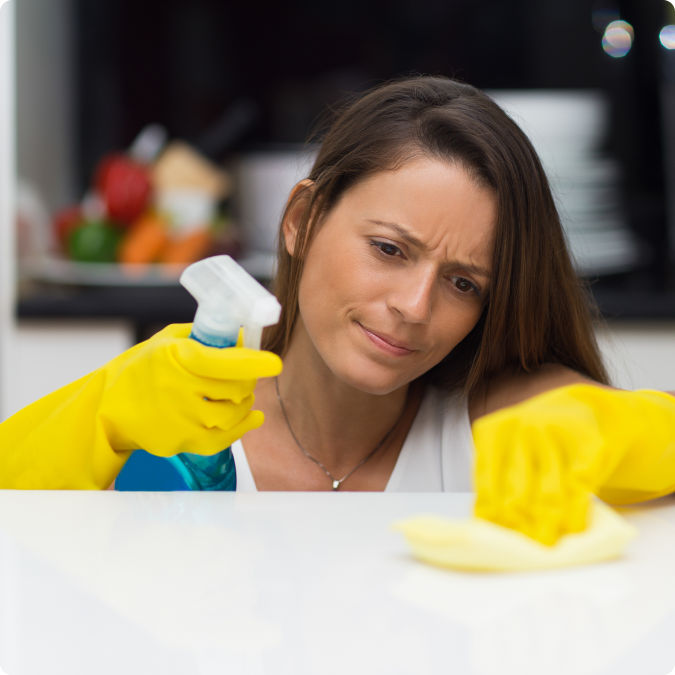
(398, 273)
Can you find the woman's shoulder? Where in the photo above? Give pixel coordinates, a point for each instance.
(515, 387)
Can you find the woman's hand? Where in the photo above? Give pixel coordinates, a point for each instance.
(171, 395)
(539, 461)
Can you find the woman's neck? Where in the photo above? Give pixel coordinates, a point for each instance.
(334, 422)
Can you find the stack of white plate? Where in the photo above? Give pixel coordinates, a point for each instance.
(566, 128)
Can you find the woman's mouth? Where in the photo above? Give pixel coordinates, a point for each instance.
(385, 343)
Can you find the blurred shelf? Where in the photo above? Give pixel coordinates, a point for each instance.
(149, 297)
(67, 272)
(57, 271)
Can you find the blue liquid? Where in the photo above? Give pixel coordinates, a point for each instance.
(213, 340)
(199, 472)
(214, 472)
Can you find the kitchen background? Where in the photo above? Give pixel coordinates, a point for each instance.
(225, 96)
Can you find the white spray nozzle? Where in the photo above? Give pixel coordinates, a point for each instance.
(229, 297)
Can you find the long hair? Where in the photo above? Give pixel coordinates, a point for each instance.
(538, 311)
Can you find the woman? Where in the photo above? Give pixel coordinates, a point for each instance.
(426, 283)
(423, 253)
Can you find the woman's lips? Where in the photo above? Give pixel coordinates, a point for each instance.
(386, 344)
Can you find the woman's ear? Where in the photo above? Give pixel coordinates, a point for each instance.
(298, 202)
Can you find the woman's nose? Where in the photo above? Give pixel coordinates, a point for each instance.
(412, 298)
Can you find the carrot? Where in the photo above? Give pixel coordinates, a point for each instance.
(188, 249)
(145, 241)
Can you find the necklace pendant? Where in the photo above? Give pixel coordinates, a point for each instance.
(336, 485)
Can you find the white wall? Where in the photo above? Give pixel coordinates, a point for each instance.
(640, 355)
(45, 97)
(50, 354)
(7, 179)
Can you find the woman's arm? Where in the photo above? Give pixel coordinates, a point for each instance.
(167, 395)
(512, 389)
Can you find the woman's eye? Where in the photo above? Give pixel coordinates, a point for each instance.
(387, 249)
(463, 285)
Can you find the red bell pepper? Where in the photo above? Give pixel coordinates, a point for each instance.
(125, 186)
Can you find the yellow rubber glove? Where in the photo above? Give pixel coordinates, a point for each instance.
(538, 462)
(153, 396)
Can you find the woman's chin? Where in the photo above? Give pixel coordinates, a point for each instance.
(374, 380)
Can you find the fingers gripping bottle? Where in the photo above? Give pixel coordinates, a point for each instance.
(228, 299)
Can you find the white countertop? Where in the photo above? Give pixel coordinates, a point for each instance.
(302, 583)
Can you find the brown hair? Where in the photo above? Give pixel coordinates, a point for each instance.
(538, 311)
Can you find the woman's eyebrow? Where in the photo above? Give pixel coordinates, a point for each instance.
(406, 236)
(475, 269)
(402, 232)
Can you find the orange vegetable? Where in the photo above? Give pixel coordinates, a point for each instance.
(145, 241)
(188, 249)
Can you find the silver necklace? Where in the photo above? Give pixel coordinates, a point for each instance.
(336, 482)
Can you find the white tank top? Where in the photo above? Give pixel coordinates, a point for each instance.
(437, 455)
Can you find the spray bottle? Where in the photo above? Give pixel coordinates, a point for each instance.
(228, 299)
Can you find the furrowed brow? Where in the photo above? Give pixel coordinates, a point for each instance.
(406, 236)
(402, 232)
(475, 269)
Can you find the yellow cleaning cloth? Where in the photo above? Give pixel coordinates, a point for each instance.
(479, 545)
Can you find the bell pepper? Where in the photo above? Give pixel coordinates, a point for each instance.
(125, 186)
(95, 241)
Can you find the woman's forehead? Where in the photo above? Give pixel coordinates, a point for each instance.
(435, 205)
